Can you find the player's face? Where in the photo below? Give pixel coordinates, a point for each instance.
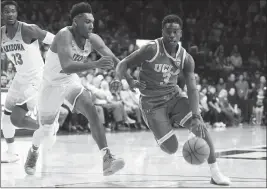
(171, 33)
(10, 14)
(85, 25)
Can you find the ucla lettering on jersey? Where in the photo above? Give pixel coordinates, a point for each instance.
(53, 72)
(161, 72)
(26, 58)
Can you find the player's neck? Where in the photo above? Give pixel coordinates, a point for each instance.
(172, 50)
(12, 28)
(80, 41)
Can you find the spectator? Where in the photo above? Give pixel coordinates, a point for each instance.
(254, 61)
(220, 61)
(217, 30)
(242, 92)
(130, 104)
(203, 103)
(210, 60)
(4, 81)
(214, 109)
(220, 85)
(258, 109)
(218, 50)
(10, 73)
(227, 111)
(256, 78)
(236, 58)
(233, 101)
(231, 82)
(262, 84)
(260, 19)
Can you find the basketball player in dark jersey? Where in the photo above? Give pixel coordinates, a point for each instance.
(161, 101)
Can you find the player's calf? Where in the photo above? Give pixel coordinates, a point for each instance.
(20, 119)
(169, 143)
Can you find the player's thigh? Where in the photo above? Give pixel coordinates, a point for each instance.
(22, 94)
(180, 112)
(158, 121)
(50, 99)
(73, 95)
(14, 95)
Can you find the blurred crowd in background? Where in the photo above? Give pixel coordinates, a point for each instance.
(225, 37)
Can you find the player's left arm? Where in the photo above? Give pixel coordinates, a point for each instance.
(35, 32)
(99, 45)
(192, 92)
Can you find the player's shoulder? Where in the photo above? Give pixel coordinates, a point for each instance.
(2, 29)
(150, 48)
(63, 37)
(29, 27)
(95, 38)
(64, 33)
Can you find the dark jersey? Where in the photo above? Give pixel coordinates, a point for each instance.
(161, 72)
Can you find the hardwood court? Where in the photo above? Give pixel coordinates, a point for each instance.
(75, 161)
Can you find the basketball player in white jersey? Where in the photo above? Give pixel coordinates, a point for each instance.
(19, 41)
(67, 56)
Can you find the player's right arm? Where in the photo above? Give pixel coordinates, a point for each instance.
(147, 52)
(63, 46)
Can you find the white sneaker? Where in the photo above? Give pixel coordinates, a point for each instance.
(8, 157)
(218, 178)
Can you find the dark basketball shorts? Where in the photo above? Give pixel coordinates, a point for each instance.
(160, 115)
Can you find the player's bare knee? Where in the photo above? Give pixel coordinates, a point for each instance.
(17, 116)
(170, 145)
(48, 129)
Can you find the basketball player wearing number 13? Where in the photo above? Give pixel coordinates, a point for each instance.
(19, 41)
(161, 100)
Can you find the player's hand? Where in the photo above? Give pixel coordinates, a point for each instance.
(105, 62)
(198, 127)
(137, 84)
(115, 86)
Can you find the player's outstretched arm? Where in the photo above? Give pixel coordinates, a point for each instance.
(63, 44)
(139, 56)
(192, 92)
(35, 32)
(193, 97)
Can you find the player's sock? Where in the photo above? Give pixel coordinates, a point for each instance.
(217, 177)
(8, 131)
(104, 151)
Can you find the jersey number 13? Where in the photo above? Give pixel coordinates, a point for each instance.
(17, 59)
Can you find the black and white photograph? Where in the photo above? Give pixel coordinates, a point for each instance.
(133, 94)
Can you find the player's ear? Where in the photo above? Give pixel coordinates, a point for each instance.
(74, 22)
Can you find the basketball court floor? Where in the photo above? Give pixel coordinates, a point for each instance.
(75, 161)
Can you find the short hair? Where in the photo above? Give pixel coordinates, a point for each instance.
(172, 18)
(9, 2)
(80, 8)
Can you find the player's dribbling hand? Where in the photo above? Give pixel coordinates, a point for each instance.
(115, 86)
(105, 62)
(198, 127)
(137, 84)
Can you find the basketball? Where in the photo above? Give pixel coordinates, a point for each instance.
(196, 151)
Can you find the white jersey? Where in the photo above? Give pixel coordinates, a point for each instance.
(26, 58)
(52, 69)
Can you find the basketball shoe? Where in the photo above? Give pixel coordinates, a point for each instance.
(110, 164)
